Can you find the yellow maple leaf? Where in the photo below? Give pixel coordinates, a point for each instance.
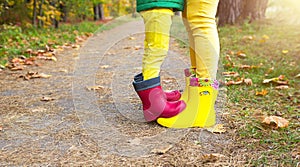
(261, 93)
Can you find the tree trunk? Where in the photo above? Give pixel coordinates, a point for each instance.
(229, 11)
(41, 23)
(236, 11)
(54, 20)
(64, 12)
(34, 14)
(96, 12)
(133, 8)
(101, 11)
(254, 9)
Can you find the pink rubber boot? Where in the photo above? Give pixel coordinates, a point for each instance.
(170, 95)
(154, 100)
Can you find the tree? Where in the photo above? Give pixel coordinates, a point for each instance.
(34, 14)
(235, 11)
(41, 22)
(98, 11)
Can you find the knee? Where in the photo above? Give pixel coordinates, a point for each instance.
(201, 20)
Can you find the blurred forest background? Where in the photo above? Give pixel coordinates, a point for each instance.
(45, 13)
(36, 24)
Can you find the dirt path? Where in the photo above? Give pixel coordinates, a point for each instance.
(101, 127)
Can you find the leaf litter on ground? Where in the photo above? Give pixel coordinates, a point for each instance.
(33, 75)
(218, 128)
(96, 87)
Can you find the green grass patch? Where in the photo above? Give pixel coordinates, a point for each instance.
(15, 41)
(275, 50)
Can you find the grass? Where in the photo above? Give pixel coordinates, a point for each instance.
(265, 45)
(15, 40)
(272, 49)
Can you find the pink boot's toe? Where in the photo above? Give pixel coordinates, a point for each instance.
(173, 95)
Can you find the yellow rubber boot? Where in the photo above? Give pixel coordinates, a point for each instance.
(200, 110)
(206, 116)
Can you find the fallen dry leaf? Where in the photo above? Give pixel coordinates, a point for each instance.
(230, 52)
(234, 82)
(212, 157)
(41, 51)
(245, 66)
(17, 60)
(45, 98)
(279, 80)
(296, 152)
(240, 54)
(247, 37)
(248, 81)
(29, 51)
(49, 54)
(161, 150)
(282, 87)
(74, 46)
(47, 58)
(230, 74)
(79, 39)
(40, 75)
(278, 113)
(137, 47)
(297, 76)
(168, 80)
(32, 75)
(63, 70)
(261, 93)
(54, 58)
(131, 38)
(29, 61)
(218, 128)
(264, 39)
(104, 66)
(127, 47)
(97, 87)
(228, 58)
(277, 122)
(17, 68)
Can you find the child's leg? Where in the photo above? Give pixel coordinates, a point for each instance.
(191, 39)
(147, 85)
(200, 16)
(202, 90)
(157, 28)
